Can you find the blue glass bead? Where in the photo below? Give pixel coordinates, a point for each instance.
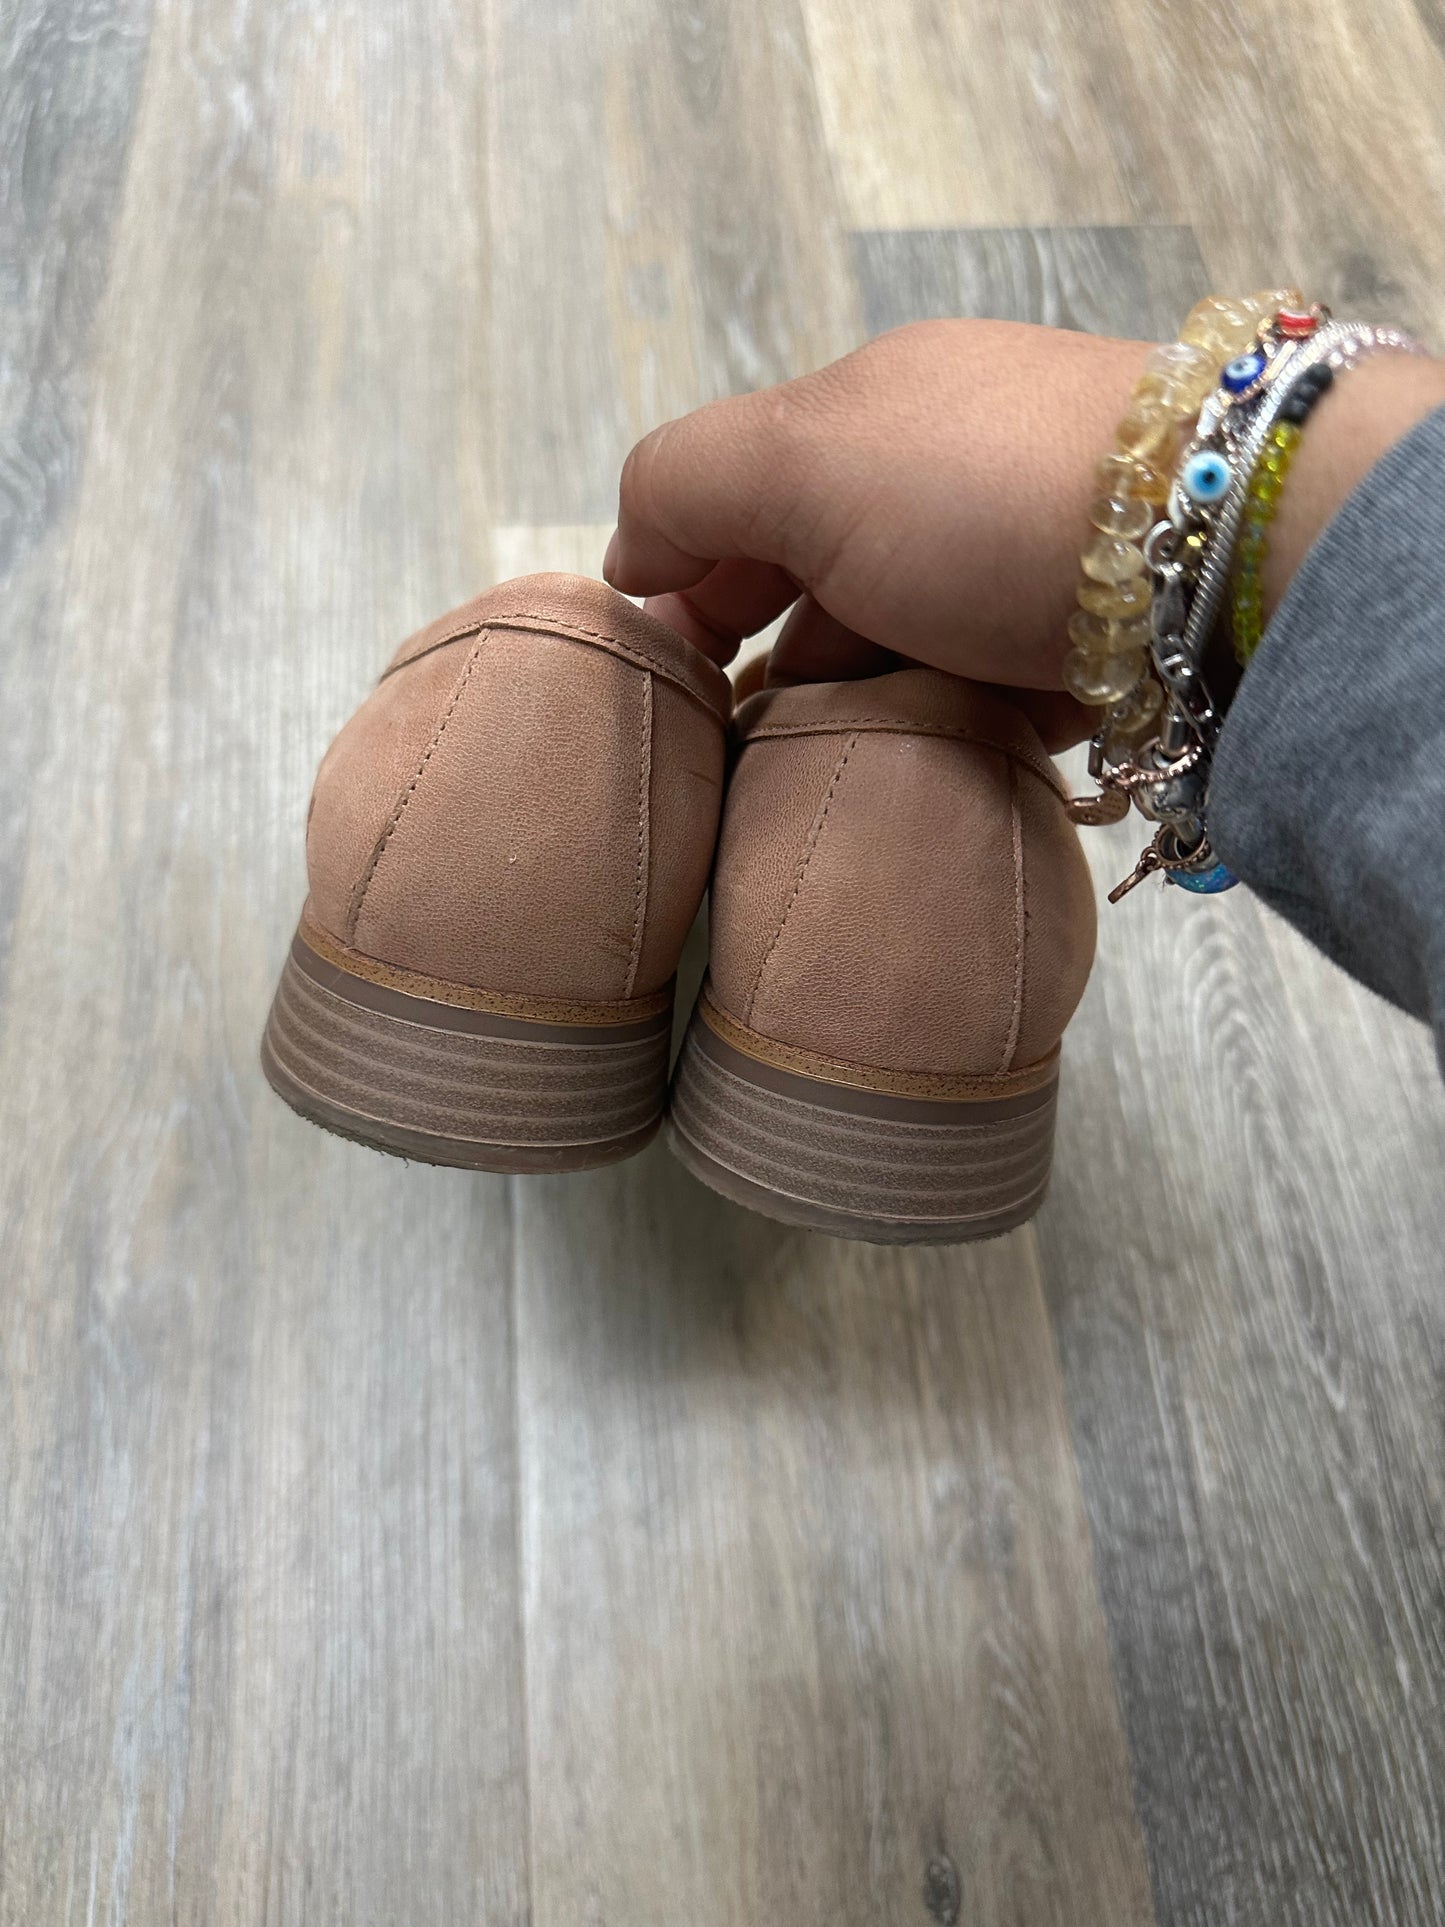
(1205, 477)
(1204, 883)
(1242, 373)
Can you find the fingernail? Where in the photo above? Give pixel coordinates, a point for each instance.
(609, 561)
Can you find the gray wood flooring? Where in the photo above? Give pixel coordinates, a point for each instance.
(384, 1545)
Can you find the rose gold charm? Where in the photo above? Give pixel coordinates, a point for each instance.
(1094, 812)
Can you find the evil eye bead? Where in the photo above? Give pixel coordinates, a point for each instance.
(1242, 373)
(1204, 883)
(1205, 477)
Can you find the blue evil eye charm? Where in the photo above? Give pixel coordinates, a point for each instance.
(1205, 477)
(1243, 372)
(1204, 883)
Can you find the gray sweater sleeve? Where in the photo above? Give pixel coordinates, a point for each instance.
(1328, 793)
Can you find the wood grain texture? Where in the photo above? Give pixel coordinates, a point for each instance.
(811, 1623)
(72, 75)
(979, 112)
(391, 1546)
(1102, 280)
(1299, 143)
(259, 1625)
(1241, 1253)
(1321, 129)
(664, 226)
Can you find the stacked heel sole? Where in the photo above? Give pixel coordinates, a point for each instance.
(859, 1162)
(448, 1083)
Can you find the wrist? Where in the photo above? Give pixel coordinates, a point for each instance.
(1364, 414)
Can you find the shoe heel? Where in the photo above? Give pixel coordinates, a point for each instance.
(862, 1154)
(451, 1075)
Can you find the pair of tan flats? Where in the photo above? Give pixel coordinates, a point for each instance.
(507, 846)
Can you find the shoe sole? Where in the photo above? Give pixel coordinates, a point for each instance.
(859, 1153)
(451, 1075)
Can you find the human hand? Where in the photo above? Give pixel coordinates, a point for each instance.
(924, 496)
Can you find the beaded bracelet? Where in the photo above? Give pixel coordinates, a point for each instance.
(1271, 360)
(1234, 422)
(1110, 630)
(1266, 485)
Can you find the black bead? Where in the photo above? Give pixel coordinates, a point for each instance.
(1295, 410)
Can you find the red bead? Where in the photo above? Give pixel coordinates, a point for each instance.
(1295, 323)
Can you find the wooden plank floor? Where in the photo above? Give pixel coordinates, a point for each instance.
(382, 1545)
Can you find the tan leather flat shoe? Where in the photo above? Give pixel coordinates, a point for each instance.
(902, 924)
(506, 847)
